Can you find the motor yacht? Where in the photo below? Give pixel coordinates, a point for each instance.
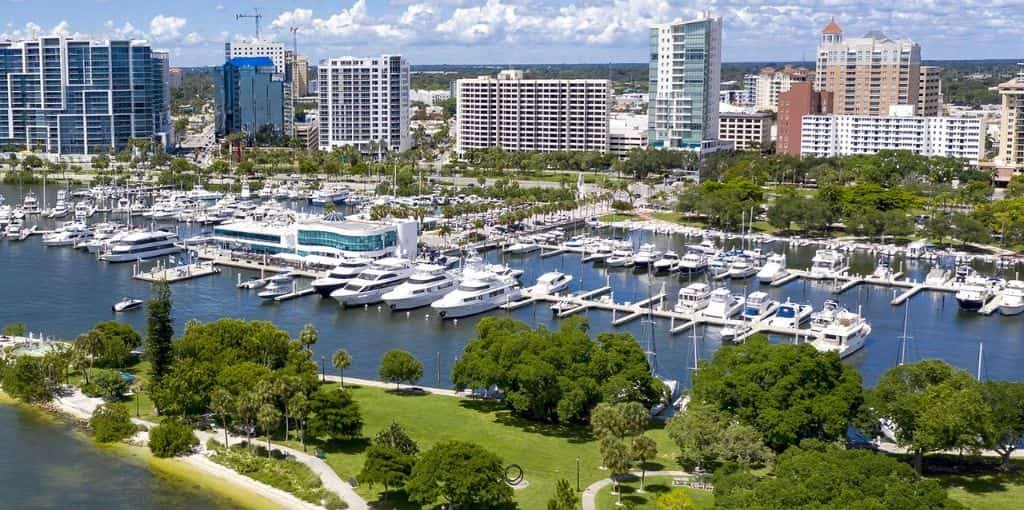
(521, 247)
(742, 267)
(827, 263)
(723, 305)
(503, 270)
(479, 291)
(370, 286)
(822, 318)
(693, 262)
(30, 204)
(693, 298)
(346, 270)
(199, 193)
(600, 253)
(552, 282)
(669, 263)
(883, 269)
(139, 245)
(974, 293)
(845, 335)
(937, 276)
(428, 283)
(329, 195)
(1013, 298)
(67, 235)
(277, 286)
(622, 257)
(759, 305)
(647, 255)
(83, 210)
(773, 269)
(791, 315)
(60, 209)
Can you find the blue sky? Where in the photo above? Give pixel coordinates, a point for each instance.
(522, 31)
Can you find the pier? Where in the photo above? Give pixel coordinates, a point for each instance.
(175, 273)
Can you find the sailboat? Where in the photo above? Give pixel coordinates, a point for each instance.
(652, 361)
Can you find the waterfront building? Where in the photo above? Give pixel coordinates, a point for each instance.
(929, 96)
(826, 136)
(747, 131)
(626, 132)
(70, 96)
(867, 75)
(364, 103)
(249, 95)
(801, 99)
(333, 236)
(275, 51)
(685, 79)
(519, 114)
(763, 89)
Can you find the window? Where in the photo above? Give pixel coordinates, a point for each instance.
(373, 242)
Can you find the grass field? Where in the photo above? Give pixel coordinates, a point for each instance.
(617, 217)
(988, 492)
(546, 453)
(647, 500)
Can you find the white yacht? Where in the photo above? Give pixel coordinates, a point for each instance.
(521, 247)
(937, 276)
(60, 209)
(480, 291)
(277, 286)
(600, 253)
(693, 298)
(759, 305)
(845, 335)
(140, 245)
(371, 285)
(347, 269)
(67, 235)
(83, 210)
(329, 195)
(427, 284)
(199, 193)
(552, 282)
(1013, 298)
(693, 262)
(723, 305)
(504, 270)
(742, 267)
(974, 293)
(622, 257)
(791, 315)
(826, 263)
(30, 204)
(647, 255)
(773, 269)
(883, 269)
(821, 319)
(669, 263)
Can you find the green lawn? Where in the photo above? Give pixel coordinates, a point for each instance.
(546, 453)
(987, 492)
(617, 217)
(647, 500)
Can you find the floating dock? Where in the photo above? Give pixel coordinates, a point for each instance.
(176, 273)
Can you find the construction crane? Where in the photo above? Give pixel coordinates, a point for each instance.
(295, 40)
(257, 16)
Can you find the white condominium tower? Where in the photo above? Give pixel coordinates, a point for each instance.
(517, 114)
(364, 102)
(275, 51)
(685, 75)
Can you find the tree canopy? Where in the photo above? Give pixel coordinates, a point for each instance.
(463, 474)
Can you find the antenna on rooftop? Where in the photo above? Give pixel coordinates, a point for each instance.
(257, 16)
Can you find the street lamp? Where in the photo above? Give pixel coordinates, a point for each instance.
(577, 474)
(323, 373)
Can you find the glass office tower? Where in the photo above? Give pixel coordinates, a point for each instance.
(249, 95)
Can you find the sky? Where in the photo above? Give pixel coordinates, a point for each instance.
(506, 32)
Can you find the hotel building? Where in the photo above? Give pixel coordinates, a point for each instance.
(364, 102)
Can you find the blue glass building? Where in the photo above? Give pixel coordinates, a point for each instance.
(72, 96)
(249, 95)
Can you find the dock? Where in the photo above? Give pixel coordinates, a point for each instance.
(992, 305)
(636, 310)
(792, 275)
(295, 293)
(176, 273)
(909, 293)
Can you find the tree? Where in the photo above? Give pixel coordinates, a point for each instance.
(564, 497)
(269, 418)
(298, 408)
(333, 413)
(615, 456)
(172, 438)
(308, 337)
(159, 331)
(110, 422)
(1006, 401)
(116, 342)
(399, 366)
(394, 436)
(90, 345)
(643, 449)
(341, 360)
(25, 379)
(185, 390)
(387, 466)
(618, 420)
(111, 384)
(463, 474)
(676, 499)
(222, 403)
(706, 436)
(969, 229)
(14, 329)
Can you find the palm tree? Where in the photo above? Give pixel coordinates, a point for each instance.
(268, 417)
(298, 408)
(308, 336)
(90, 345)
(222, 402)
(444, 231)
(341, 360)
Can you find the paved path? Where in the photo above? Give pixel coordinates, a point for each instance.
(390, 386)
(590, 493)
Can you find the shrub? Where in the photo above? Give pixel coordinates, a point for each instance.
(110, 384)
(172, 438)
(111, 423)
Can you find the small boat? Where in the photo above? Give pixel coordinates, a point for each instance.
(759, 305)
(731, 332)
(820, 320)
(883, 270)
(620, 258)
(647, 255)
(669, 263)
(1013, 298)
(521, 247)
(827, 263)
(791, 315)
(723, 305)
(693, 298)
(845, 335)
(552, 282)
(254, 282)
(773, 269)
(277, 285)
(742, 267)
(126, 304)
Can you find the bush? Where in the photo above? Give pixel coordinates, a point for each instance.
(25, 379)
(110, 384)
(172, 438)
(111, 423)
(288, 475)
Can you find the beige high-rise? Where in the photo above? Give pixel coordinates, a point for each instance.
(867, 75)
(929, 96)
(1011, 125)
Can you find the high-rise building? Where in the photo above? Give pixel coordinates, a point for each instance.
(685, 78)
(869, 74)
(747, 131)
(162, 110)
(275, 51)
(518, 114)
(763, 89)
(364, 102)
(801, 99)
(1011, 123)
(249, 96)
(78, 96)
(299, 76)
(929, 96)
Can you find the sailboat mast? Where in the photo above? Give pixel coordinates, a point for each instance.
(903, 339)
(981, 351)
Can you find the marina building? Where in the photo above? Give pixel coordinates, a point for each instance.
(364, 102)
(685, 79)
(70, 96)
(747, 131)
(827, 136)
(249, 95)
(333, 236)
(519, 114)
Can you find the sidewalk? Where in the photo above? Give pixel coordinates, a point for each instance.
(590, 493)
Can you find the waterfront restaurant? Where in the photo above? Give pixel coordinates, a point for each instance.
(333, 236)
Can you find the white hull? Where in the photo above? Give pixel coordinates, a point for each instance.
(369, 297)
(131, 257)
(718, 311)
(417, 301)
(467, 309)
(1012, 309)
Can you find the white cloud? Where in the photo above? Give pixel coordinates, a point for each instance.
(418, 14)
(193, 38)
(296, 18)
(166, 28)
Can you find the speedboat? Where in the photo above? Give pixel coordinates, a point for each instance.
(67, 235)
(722, 304)
(1013, 298)
(973, 294)
(759, 305)
(773, 269)
(827, 263)
(845, 335)
(427, 284)
(479, 292)
(648, 254)
(693, 262)
(138, 245)
(126, 304)
(732, 331)
(791, 315)
(693, 298)
(821, 319)
(622, 257)
(742, 267)
(277, 286)
(371, 285)
(521, 247)
(504, 270)
(937, 276)
(668, 263)
(552, 282)
(347, 269)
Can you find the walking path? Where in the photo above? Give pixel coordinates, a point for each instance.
(590, 493)
(390, 386)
